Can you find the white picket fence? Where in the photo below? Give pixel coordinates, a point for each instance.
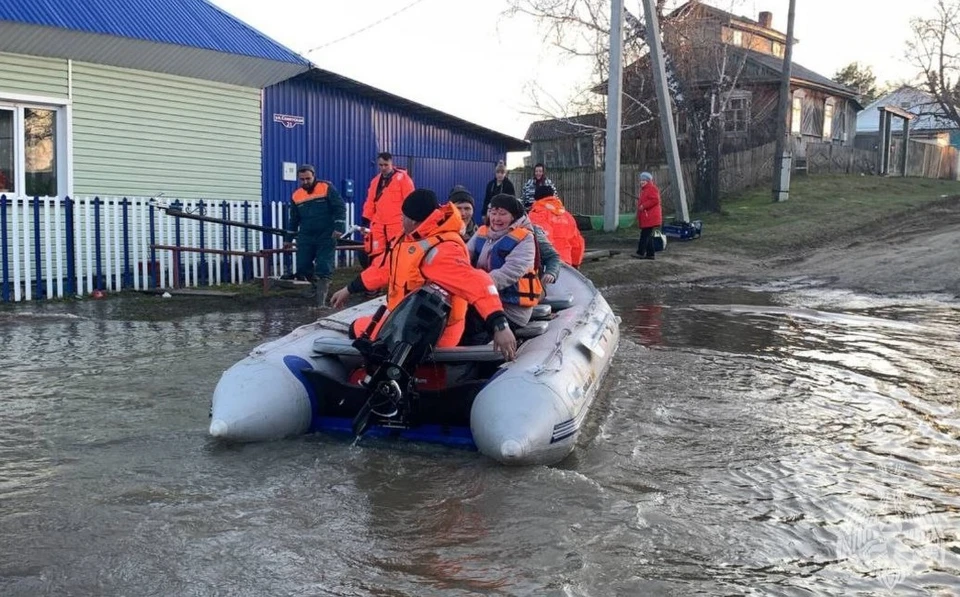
(50, 245)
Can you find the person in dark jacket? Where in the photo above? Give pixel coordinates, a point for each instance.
(500, 185)
(649, 215)
(318, 216)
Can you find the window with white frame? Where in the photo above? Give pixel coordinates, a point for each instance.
(736, 114)
(796, 114)
(32, 148)
(828, 120)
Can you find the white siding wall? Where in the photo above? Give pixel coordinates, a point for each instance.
(138, 133)
(33, 76)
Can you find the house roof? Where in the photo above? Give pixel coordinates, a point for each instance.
(801, 73)
(929, 115)
(744, 22)
(556, 128)
(337, 81)
(185, 37)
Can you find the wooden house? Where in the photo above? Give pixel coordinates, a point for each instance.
(699, 38)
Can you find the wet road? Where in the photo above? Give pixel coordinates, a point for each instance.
(779, 441)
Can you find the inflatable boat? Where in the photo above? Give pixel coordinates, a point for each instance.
(526, 411)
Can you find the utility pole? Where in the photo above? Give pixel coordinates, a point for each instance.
(611, 178)
(666, 109)
(783, 159)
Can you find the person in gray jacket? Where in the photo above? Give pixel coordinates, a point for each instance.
(507, 250)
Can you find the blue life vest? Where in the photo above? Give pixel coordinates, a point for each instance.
(526, 292)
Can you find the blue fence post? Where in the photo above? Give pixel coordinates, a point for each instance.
(5, 286)
(204, 278)
(127, 267)
(98, 252)
(225, 214)
(267, 220)
(71, 247)
(181, 277)
(38, 262)
(287, 257)
(247, 261)
(154, 267)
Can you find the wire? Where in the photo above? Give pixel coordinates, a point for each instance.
(370, 26)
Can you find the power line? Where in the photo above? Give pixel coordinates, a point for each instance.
(370, 26)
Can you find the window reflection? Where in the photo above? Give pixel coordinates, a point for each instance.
(39, 149)
(7, 176)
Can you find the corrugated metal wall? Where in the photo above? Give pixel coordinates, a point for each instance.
(341, 134)
(33, 76)
(138, 133)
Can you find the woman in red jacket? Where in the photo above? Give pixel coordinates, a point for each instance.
(649, 216)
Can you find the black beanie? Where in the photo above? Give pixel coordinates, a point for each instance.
(460, 194)
(420, 204)
(509, 203)
(543, 191)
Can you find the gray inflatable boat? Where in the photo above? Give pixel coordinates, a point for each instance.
(528, 411)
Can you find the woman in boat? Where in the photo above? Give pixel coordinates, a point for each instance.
(507, 250)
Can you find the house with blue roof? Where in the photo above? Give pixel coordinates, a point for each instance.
(133, 98)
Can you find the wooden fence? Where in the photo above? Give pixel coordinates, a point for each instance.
(582, 188)
(926, 160)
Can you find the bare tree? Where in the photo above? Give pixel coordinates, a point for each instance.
(701, 71)
(580, 29)
(935, 51)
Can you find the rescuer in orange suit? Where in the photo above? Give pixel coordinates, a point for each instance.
(547, 212)
(382, 207)
(431, 250)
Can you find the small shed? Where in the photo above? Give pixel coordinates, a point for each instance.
(340, 125)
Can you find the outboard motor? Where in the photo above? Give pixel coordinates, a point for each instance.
(405, 339)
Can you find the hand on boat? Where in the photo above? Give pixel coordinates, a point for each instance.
(548, 279)
(339, 298)
(505, 342)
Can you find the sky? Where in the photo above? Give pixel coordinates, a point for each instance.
(466, 58)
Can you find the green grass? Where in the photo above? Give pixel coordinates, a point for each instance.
(819, 207)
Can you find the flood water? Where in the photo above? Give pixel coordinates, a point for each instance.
(776, 441)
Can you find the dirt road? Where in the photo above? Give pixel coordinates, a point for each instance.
(913, 253)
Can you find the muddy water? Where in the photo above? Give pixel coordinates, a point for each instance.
(779, 441)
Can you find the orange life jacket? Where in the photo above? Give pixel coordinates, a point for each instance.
(526, 291)
(406, 258)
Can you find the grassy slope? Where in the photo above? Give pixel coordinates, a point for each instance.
(819, 208)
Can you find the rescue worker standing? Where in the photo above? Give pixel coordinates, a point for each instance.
(384, 199)
(431, 250)
(318, 216)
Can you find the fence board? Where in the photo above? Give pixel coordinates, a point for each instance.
(54, 246)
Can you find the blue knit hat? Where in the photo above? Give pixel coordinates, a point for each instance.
(646, 176)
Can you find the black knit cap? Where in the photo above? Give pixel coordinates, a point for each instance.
(509, 203)
(420, 204)
(460, 194)
(543, 191)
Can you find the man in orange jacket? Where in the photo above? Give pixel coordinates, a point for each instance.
(382, 208)
(431, 250)
(559, 225)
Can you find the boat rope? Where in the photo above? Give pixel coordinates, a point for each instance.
(556, 353)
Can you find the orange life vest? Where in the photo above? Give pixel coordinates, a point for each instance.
(525, 292)
(406, 257)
